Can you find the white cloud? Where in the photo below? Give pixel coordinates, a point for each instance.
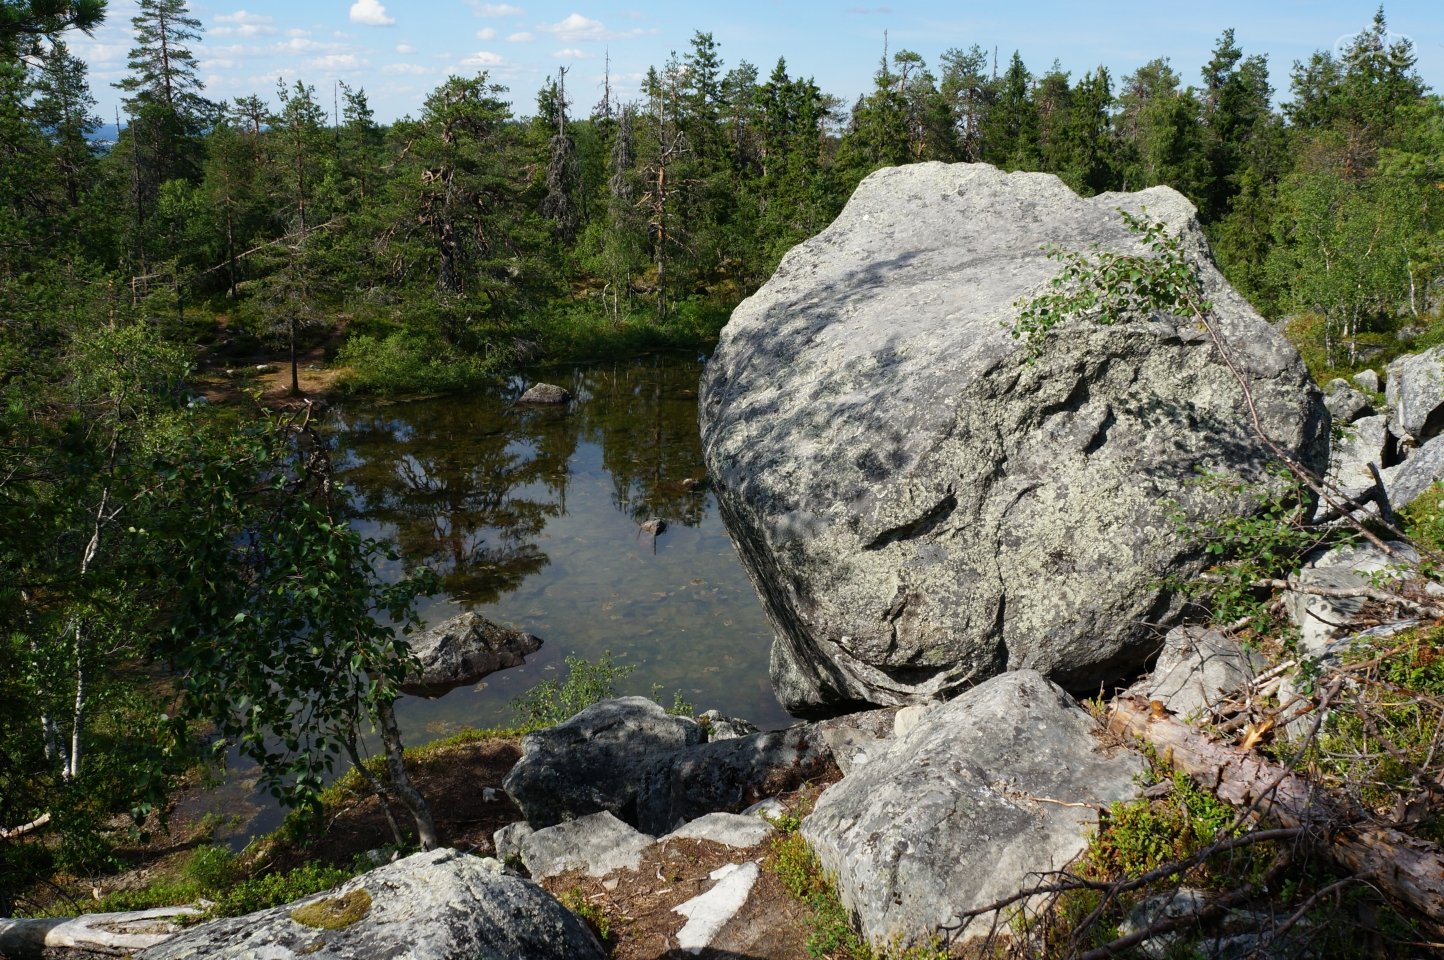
(370, 13)
(338, 61)
(570, 53)
(497, 10)
(577, 27)
(243, 23)
(483, 58)
(405, 48)
(298, 32)
(412, 69)
(486, 33)
(522, 37)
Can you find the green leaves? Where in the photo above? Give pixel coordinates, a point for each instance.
(1112, 288)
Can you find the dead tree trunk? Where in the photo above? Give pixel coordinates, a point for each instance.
(115, 934)
(1408, 869)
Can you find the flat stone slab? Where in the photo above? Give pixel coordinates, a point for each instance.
(709, 913)
(596, 845)
(728, 829)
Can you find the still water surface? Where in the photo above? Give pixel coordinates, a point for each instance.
(531, 516)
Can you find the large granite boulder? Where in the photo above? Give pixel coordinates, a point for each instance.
(919, 505)
(988, 792)
(462, 650)
(437, 904)
(1414, 392)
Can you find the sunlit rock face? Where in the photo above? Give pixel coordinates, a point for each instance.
(919, 505)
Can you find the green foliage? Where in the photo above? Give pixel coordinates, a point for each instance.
(555, 700)
(1266, 540)
(274, 889)
(1110, 288)
(575, 900)
(412, 363)
(1423, 523)
(1142, 835)
(1381, 748)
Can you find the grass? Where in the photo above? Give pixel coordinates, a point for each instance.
(833, 935)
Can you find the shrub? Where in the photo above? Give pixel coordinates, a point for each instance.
(411, 363)
(555, 700)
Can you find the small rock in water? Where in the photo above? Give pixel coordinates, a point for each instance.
(488, 795)
(655, 526)
(545, 393)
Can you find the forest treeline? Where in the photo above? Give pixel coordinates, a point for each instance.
(166, 568)
(450, 234)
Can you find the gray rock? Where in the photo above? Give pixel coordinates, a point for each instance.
(1411, 479)
(595, 761)
(596, 845)
(1322, 619)
(725, 728)
(1197, 669)
(967, 808)
(1181, 903)
(429, 906)
(729, 775)
(919, 505)
(1364, 442)
(728, 829)
(1414, 393)
(1346, 404)
(545, 393)
(851, 747)
(462, 650)
(770, 809)
(1368, 381)
(854, 737)
(909, 717)
(508, 840)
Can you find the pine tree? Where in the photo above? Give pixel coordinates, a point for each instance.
(1010, 133)
(62, 108)
(167, 110)
(969, 93)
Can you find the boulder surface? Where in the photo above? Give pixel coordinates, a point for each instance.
(462, 650)
(437, 904)
(984, 794)
(919, 504)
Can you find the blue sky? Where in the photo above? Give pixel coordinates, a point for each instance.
(398, 50)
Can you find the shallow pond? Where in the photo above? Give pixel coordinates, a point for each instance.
(532, 516)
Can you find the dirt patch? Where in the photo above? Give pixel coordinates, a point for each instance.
(636, 906)
(462, 784)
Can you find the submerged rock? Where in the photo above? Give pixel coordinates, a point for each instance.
(437, 904)
(919, 505)
(985, 793)
(462, 650)
(545, 393)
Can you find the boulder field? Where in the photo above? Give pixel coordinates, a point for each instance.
(920, 503)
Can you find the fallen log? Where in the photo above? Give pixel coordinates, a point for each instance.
(117, 934)
(1409, 870)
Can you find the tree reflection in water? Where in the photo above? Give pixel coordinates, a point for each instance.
(531, 515)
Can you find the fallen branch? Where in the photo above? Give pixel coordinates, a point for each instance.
(10, 833)
(1362, 593)
(1407, 869)
(116, 934)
